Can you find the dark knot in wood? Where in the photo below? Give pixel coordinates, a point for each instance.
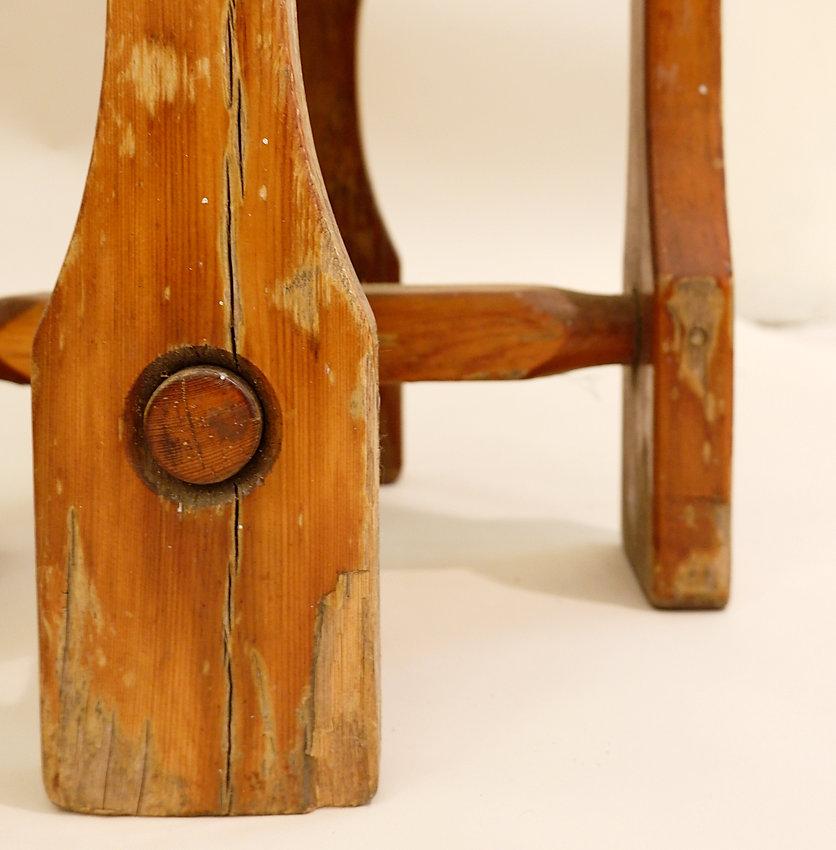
(203, 424)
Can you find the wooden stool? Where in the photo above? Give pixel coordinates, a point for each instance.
(205, 388)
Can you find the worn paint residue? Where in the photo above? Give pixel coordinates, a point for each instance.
(697, 307)
(270, 762)
(300, 298)
(160, 74)
(90, 763)
(334, 758)
(703, 577)
(234, 179)
(344, 743)
(127, 144)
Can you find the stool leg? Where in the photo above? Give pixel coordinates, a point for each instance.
(328, 38)
(206, 445)
(678, 396)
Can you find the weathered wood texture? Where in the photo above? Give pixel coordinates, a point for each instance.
(206, 650)
(328, 31)
(678, 402)
(495, 332)
(454, 333)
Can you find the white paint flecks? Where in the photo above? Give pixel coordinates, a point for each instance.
(159, 74)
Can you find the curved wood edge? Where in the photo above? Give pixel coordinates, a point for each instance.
(466, 333)
(328, 34)
(678, 400)
(205, 653)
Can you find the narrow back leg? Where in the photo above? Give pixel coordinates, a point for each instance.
(328, 33)
(678, 394)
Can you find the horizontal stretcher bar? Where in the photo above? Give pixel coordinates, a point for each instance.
(441, 333)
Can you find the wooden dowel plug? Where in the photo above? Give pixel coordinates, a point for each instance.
(203, 424)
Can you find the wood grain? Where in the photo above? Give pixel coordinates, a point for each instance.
(19, 317)
(213, 654)
(456, 333)
(678, 401)
(203, 424)
(328, 36)
(495, 332)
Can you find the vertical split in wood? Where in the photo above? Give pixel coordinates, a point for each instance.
(234, 195)
(234, 172)
(205, 223)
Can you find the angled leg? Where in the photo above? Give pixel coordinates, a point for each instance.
(204, 386)
(328, 39)
(678, 395)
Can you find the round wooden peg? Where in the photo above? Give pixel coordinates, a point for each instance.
(203, 424)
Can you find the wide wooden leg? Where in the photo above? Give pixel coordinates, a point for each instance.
(206, 443)
(328, 39)
(678, 395)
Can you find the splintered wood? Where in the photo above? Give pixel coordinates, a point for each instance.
(206, 648)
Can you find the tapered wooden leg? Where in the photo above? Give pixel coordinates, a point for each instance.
(678, 396)
(206, 444)
(328, 38)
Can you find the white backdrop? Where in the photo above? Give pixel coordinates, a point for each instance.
(527, 108)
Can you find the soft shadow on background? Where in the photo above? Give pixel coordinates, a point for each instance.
(549, 556)
(20, 778)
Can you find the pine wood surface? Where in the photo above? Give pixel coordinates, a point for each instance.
(206, 651)
(203, 424)
(491, 332)
(678, 402)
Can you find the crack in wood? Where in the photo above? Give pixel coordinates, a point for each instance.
(72, 559)
(228, 625)
(234, 194)
(145, 756)
(109, 759)
(233, 170)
